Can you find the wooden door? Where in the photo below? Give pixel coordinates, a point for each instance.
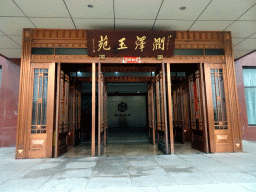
(62, 108)
(40, 135)
(178, 116)
(220, 132)
(75, 112)
(162, 120)
(198, 110)
(151, 113)
(105, 112)
(100, 111)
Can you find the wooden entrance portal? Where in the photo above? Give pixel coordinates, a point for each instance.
(49, 117)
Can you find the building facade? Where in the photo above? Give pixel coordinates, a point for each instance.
(9, 94)
(245, 77)
(49, 116)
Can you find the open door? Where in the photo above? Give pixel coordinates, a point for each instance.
(220, 133)
(198, 110)
(179, 109)
(101, 112)
(74, 113)
(105, 112)
(40, 136)
(151, 113)
(62, 125)
(162, 120)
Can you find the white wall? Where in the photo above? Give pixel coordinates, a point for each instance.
(136, 108)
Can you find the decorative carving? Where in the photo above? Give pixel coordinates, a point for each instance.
(38, 144)
(122, 107)
(238, 146)
(20, 153)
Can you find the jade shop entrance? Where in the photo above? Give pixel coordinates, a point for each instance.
(174, 108)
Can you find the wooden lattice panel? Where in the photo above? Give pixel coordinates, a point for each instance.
(59, 38)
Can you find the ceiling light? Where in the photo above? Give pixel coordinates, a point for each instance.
(90, 6)
(183, 8)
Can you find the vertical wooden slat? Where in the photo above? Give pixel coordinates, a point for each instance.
(105, 114)
(56, 153)
(158, 109)
(170, 107)
(93, 107)
(153, 114)
(162, 100)
(99, 108)
(165, 111)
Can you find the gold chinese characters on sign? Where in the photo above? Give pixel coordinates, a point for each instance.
(130, 43)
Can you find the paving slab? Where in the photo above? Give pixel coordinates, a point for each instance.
(204, 187)
(18, 185)
(193, 178)
(152, 180)
(63, 185)
(73, 173)
(106, 182)
(110, 171)
(80, 165)
(140, 163)
(228, 177)
(118, 189)
(147, 171)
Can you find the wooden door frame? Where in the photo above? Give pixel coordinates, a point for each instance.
(203, 105)
(100, 108)
(165, 110)
(170, 107)
(56, 141)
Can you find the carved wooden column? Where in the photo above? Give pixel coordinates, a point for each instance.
(24, 93)
(232, 98)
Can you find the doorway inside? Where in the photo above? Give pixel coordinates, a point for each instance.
(131, 110)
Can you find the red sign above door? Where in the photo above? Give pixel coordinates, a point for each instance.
(131, 60)
(130, 43)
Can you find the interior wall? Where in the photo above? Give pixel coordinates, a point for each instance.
(9, 95)
(134, 116)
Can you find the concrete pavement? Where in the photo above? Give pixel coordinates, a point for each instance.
(153, 173)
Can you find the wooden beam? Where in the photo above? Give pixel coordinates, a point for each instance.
(93, 107)
(170, 107)
(191, 59)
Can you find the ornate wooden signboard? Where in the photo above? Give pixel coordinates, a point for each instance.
(130, 43)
